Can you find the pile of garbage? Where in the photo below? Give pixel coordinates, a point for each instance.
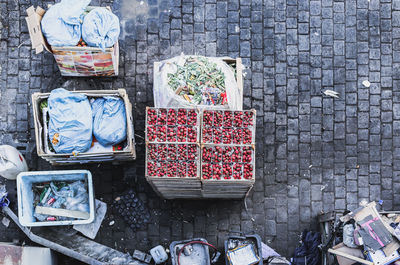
(60, 201)
(187, 81)
(71, 23)
(369, 237)
(77, 124)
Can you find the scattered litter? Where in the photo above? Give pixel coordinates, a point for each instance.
(5, 221)
(366, 83)
(365, 230)
(310, 166)
(111, 223)
(331, 93)
(118, 198)
(323, 187)
(237, 28)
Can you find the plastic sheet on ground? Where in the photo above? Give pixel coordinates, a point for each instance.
(100, 28)
(109, 120)
(61, 24)
(164, 96)
(70, 124)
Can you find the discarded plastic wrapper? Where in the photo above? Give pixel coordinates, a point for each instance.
(242, 255)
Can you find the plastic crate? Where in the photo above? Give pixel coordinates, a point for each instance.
(25, 194)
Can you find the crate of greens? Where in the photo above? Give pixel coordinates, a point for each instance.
(198, 81)
(50, 198)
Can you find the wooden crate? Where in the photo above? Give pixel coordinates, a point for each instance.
(127, 154)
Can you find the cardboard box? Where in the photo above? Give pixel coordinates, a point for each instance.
(126, 154)
(73, 60)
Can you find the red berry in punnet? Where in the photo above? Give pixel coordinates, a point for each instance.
(191, 135)
(208, 118)
(151, 116)
(192, 118)
(161, 133)
(151, 133)
(182, 117)
(171, 134)
(162, 117)
(171, 120)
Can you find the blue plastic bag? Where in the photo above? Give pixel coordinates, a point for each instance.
(109, 120)
(100, 28)
(61, 24)
(70, 123)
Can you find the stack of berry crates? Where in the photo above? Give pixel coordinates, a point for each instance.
(173, 152)
(227, 153)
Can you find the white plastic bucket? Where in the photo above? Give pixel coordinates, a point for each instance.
(25, 195)
(11, 162)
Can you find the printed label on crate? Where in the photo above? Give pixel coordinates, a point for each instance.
(85, 63)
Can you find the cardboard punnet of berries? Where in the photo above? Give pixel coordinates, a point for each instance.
(173, 160)
(227, 162)
(228, 127)
(172, 125)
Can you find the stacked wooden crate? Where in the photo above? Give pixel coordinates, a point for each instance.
(228, 153)
(173, 152)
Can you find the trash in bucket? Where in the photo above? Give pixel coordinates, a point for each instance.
(61, 201)
(47, 198)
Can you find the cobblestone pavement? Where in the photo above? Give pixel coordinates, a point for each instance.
(314, 152)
